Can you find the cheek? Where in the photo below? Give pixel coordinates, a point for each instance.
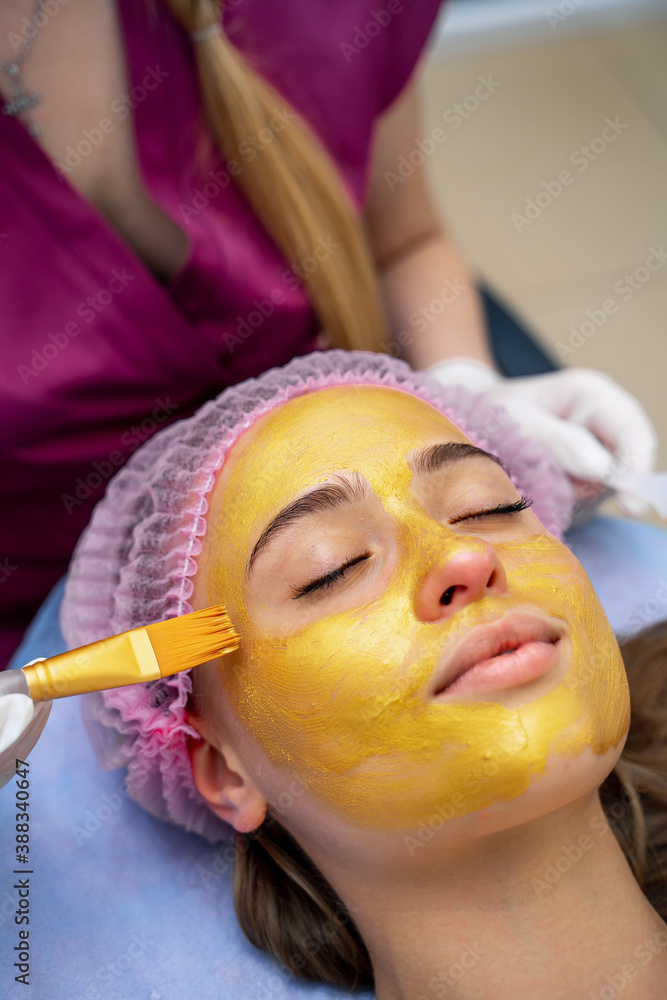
(556, 581)
(543, 571)
(325, 688)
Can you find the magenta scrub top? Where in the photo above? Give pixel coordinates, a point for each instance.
(97, 353)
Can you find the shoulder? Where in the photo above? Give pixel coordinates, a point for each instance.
(339, 64)
(349, 44)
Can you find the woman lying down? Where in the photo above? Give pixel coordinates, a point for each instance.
(419, 741)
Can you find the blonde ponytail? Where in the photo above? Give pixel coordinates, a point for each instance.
(286, 907)
(293, 185)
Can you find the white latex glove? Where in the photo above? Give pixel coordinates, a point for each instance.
(594, 429)
(21, 723)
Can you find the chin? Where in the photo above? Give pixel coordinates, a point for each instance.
(564, 781)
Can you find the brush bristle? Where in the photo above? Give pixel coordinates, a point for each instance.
(184, 642)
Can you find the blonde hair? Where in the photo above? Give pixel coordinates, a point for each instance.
(293, 185)
(634, 796)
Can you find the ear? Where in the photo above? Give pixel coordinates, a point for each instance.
(221, 777)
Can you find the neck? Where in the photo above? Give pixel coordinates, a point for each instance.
(550, 910)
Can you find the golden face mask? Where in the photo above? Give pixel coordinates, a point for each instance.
(334, 683)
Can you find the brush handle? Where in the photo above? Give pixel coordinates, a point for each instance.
(122, 659)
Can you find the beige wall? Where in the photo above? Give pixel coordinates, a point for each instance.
(550, 98)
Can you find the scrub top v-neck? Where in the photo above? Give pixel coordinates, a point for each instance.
(98, 353)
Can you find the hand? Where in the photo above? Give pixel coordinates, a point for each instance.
(21, 724)
(593, 428)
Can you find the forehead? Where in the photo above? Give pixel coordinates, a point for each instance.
(366, 429)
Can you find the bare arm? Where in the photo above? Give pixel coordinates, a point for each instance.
(434, 309)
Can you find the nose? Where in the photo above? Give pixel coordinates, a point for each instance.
(465, 577)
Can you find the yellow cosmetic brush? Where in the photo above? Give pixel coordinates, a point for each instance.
(134, 657)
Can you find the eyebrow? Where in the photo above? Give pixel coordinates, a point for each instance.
(440, 456)
(327, 496)
(331, 495)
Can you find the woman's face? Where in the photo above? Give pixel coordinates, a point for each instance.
(379, 570)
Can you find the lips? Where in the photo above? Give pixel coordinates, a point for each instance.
(508, 652)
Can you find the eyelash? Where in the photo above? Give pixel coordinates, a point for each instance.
(338, 574)
(510, 508)
(330, 578)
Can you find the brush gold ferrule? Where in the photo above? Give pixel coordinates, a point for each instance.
(123, 659)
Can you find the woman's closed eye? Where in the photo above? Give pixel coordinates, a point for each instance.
(509, 508)
(330, 579)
